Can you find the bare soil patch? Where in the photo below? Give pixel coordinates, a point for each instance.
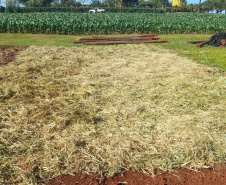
(211, 176)
(8, 53)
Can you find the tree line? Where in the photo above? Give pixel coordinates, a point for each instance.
(207, 6)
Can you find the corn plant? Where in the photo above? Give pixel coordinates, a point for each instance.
(110, 23)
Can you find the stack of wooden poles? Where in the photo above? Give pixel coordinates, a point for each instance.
(149, 38)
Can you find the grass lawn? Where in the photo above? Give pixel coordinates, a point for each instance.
(8, 39)
(208, 55)
(178, 43)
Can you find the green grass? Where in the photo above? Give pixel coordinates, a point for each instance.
(177, 42)
(7, 39)
(208, 55)
(10, 39)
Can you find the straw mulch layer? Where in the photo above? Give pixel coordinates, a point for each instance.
(107, 110)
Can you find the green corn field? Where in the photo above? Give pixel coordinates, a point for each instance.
(110, 23)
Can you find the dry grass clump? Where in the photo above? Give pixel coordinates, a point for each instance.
(105, 110)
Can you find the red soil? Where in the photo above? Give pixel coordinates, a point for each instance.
(8, 53)
(211, 176)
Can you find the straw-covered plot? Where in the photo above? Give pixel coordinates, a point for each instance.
(107, 109)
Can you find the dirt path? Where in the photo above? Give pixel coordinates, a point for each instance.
(216, 176)
(8, 53)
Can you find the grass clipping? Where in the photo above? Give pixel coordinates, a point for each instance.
(105, 110)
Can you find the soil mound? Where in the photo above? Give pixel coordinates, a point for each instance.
(8, 53)
(211, 176)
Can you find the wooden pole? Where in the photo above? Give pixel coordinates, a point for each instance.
(125, 42)
(196, 42)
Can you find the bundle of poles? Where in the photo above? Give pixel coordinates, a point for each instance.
(149, 38)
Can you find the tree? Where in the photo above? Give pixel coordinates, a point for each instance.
(12, 3)
(164, 3)
(199, 6)
(113, 3)
(12, 6)
(68, 3)
(190, 7)
(96, 3)
(36, 3)
(56, 2)
(144, 4)
(218, 5)
(207, 6)
(130, 3)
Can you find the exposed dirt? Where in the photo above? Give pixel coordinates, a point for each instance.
(8, 53)
(211, 176)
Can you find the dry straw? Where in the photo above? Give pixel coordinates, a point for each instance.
(106, 110)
